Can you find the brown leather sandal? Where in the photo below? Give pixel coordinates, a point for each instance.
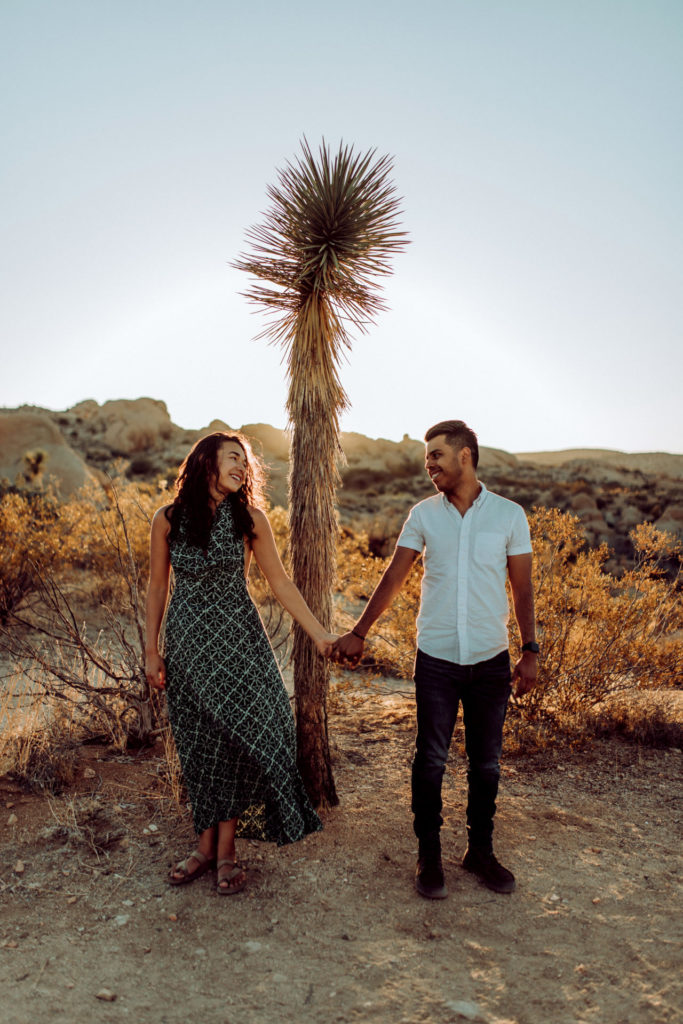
(205, 864)
(231, 883)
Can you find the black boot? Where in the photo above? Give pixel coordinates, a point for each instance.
(429, 879)
(484, 865)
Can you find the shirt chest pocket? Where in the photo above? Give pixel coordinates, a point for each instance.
(490, 550)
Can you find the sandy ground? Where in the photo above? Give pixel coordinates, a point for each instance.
(330, 929)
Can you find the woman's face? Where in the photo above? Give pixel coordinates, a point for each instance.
(231, 469)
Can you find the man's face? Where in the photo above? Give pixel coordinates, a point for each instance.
(443, 462)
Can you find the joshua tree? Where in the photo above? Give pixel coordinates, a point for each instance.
(330, 230)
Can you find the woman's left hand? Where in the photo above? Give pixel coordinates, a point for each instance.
(326, 644)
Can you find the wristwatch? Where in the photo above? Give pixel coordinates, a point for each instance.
(532, 646)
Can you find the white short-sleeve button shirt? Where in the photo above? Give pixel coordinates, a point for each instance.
(464, 609)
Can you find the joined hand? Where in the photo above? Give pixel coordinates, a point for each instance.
(348, 649)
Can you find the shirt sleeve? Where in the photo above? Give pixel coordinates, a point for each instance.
(519, 540)
(412, 534)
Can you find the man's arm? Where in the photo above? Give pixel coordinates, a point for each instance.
(525, 671)
(349, 647)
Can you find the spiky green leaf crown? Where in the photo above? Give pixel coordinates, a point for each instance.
(328, 235)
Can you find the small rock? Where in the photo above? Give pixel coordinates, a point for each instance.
(153, 828)
(12, 820)
(200, 952)
(9, 803)
(89, 773)
(252, 947)
(173, 917)
(106, 995)
(19, 868)
(470, 1011)
(72, 899)
(596, 899)
(121, 919)
(127, 903)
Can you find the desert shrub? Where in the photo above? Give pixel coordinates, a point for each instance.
(647, 723)
(99, 530)
(37, 738)
(599, 634)
(101, 675)
(29, 545)
(41, 535)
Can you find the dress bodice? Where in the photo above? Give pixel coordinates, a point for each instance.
(225, 550)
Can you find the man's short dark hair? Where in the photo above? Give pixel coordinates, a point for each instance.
(458, 435)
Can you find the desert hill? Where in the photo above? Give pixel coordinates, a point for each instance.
(610, 491)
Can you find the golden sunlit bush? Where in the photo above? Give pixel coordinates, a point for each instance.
(600, 634)
(39, 535)
(100, 674)
(29, 543)
(92, 535)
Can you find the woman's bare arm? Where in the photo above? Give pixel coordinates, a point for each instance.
(157, 596)
(266, 555)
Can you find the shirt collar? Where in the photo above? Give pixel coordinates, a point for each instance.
(477, 503)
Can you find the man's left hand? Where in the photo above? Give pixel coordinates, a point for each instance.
(525, 674)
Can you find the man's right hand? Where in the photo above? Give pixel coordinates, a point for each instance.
(348, 649)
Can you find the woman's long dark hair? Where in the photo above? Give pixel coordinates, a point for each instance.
(192, 503)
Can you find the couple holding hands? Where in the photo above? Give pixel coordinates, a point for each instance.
(228, 707)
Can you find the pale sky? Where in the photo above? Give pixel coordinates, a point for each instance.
(538, 149)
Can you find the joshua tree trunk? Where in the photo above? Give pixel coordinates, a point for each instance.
(314, 397)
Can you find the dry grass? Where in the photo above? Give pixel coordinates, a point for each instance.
(38, 738)
(649, 718)
(85, 821)
(170, 776)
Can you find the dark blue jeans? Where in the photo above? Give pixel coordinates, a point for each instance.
(483, 690)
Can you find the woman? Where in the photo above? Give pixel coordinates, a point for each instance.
(227, 704)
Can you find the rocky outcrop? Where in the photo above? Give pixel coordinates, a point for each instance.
(127, 427)
(33, 452)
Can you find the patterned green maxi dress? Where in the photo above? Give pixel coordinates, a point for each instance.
(227, 703)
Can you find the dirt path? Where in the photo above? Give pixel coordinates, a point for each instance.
(330, 930)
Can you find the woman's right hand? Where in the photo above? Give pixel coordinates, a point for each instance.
(155, 670)
(325, 644)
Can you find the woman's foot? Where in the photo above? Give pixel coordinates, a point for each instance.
(196, 865)
(231, 879)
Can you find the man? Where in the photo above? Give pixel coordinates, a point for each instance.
(471, 538)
